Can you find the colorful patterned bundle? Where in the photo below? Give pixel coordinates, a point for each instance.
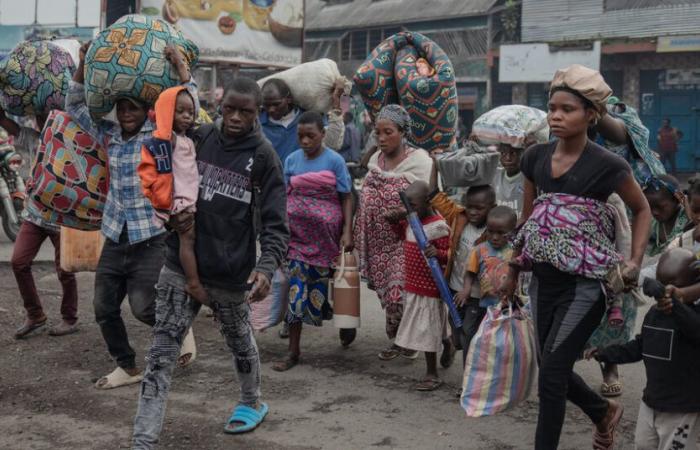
(34, 78)
(127, 60)
(390, 75)
(502, 363)
(70, 179)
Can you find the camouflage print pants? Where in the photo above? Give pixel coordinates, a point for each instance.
(175, 312)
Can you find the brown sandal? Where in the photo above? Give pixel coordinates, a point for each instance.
(428, 384)
(390, 353)
(606, 441)
(287, 363)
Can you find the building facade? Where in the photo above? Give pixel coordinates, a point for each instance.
(649, 54)
(348, 30)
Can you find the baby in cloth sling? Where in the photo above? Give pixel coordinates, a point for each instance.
(170, 178)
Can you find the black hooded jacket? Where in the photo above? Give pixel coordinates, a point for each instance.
(236, 175)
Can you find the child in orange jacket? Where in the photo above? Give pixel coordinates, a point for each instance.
(170, 178)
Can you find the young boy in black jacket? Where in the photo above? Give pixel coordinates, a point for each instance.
(239, 173)
(669, 345)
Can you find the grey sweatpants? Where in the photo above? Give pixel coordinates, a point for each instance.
(175, 312)
(666, 431)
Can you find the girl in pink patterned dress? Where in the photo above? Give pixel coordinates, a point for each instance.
(319, 207)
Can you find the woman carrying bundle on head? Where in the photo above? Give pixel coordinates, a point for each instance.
(392, 169)
(567, 182)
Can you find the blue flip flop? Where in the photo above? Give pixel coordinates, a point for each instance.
(249, 417)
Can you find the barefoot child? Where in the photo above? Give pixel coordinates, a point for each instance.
(424, 324)
(319, 207)
(170, 178)
(669, 345)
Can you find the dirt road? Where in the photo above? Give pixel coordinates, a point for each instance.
(338, 399)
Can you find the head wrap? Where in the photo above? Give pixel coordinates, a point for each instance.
(587, 82)
(396, 114)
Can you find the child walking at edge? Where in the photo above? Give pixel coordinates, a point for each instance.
(488, 267)
(669, 345)
(424, 324)
(477, 201)
(319, 208)
(170, 178)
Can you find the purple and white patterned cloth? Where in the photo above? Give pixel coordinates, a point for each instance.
(574, 234)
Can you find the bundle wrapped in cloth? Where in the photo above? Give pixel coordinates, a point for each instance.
(34, 78)
(514, 125)
(71, 179)
(312, 84)
(411, 70)
(127, 60)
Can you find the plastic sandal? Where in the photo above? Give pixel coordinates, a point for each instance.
(249, 417)
(189, 347)
(287, 363)
(389, 354)
(611, 390)
(429, 384)
(606, 441)
(117, 378)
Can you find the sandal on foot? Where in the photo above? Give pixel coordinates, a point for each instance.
(188, 352)
(28, 327)
(448, 354)
(613, 389)
(606, 441)
(118, 378)
(64, 329)
(409, 354)
(287, 363)
(390, 353)
(428, 384)
(244, 419)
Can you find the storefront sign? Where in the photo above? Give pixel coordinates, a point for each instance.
(678, 44)
(682, 76)
(531, 63)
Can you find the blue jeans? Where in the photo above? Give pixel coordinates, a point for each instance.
(175, 312)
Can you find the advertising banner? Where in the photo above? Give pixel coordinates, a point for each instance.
(533, 63)
(258, 32)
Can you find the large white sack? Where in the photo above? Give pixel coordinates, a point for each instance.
(312, 84)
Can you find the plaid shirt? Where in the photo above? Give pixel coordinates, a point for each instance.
(126, 205)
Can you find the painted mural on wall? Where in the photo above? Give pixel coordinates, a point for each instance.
(265, 32)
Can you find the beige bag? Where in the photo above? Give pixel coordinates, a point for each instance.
(344, 292)
(80, 250)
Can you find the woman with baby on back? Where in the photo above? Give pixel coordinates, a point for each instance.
(567, 241)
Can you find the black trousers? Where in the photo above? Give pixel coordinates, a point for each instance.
(126, 269)
(567, 310)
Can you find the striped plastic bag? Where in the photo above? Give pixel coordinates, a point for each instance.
(501, 364)
(271, 310)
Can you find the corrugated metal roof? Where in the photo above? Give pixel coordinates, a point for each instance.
(369, 13)
(561, 20)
